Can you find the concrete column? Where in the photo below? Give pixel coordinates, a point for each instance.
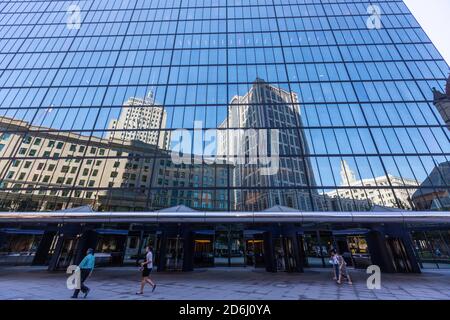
(409, 262)
(141, 244)
(162, 252)
(269, 253)
(2, 238)
(298, 253)
(188, 249)
(379, 251)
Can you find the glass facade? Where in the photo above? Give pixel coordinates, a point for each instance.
(222, 105)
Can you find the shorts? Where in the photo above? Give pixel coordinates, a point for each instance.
(146, 272)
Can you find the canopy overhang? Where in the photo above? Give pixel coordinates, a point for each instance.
(227, 217)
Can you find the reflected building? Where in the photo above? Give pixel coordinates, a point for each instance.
(442, 103)
(264, 108)
(434, 192)
(143, 120)
(192, 185)
(55, 170)
(47, 170)
(385, 191)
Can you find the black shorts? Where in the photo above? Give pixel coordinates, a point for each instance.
(146, 272)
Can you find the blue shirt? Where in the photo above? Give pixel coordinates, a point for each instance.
(88, 262)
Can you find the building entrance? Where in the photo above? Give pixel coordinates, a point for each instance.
(204, 248)
(174, 254)
(228, 246)
(255, 253)
(284, 254)
(63, 251)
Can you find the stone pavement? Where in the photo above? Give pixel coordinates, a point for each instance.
(223, 283)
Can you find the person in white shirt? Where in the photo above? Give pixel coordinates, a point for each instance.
(147, 267)
(334, 262)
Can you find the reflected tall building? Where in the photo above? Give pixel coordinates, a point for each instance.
(143, 120)
(267, 107)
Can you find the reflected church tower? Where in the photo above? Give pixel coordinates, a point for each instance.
(442, 102)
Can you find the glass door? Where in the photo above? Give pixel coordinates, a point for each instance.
(237, 248)
(174, 255)
(203, 251)
(67, 255)
(110, 249)
(280, 255)
(133, 243)
(359, 250)
(291, 264)
(221, 247)
(313, 250)
(432, 248)
(229, 246)
(284, 254)
(255, 253)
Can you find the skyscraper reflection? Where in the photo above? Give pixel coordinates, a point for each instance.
(267, 107)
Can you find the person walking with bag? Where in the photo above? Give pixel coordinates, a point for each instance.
(86, 267)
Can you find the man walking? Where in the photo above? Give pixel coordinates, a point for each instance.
(86, 267)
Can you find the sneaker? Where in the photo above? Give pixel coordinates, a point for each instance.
(139, 292)
(154, 287)
(86, 293)
(73, 297)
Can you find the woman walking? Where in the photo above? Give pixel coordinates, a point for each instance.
(334, 262)
(147, 267)
(343, 273)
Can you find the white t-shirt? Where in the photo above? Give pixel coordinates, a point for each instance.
(149, 257)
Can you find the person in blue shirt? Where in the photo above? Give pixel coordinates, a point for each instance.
(86, 267)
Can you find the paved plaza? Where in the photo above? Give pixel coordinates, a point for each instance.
(223, 283)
